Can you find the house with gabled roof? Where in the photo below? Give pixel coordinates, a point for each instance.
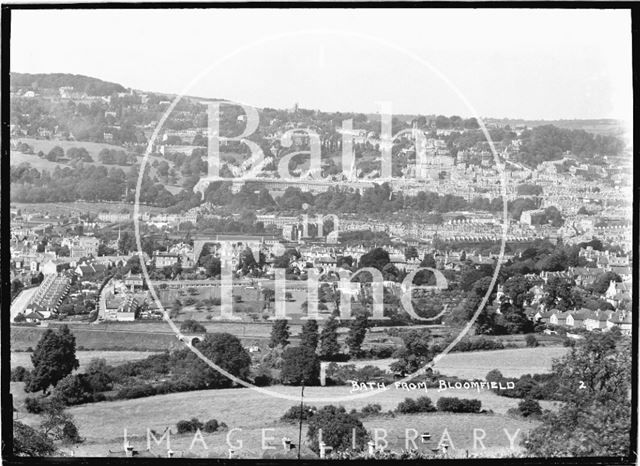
(597, 320)
(34, 317)
(558, 317)
(576, 318)
(622, 320)
(618, 292)
(543, 316)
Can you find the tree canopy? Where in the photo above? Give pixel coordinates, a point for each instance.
(53, 358)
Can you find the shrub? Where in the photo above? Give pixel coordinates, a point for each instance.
(470, 344)
(422, 404)
(371, 409)
(494, 376)
(211, 426)
(19, 374)
(529, 407)
(379, 352)
(70, 432)
(137, 391)
(263, 376)
(33, 405)
(456, 405)
(189, 426)
(570, 342)
(531, 341)
(293, 413)
(191, 326)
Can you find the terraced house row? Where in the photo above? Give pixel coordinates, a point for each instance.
(50, 293)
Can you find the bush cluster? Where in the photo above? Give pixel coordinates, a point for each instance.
(457, 405)
(471, 344)
(193, 425)
(33, 405)
(378, 352)
(529, 408)
(536, 387)
(531, 341)
(19, 374)
(293, 413)
(422, 404)
(371, 409)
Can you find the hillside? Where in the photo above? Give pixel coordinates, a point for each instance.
(80, 83)
(601, 126)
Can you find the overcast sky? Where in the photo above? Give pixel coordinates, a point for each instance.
(547, 64)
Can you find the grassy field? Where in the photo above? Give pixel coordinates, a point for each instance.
(251, 300)
(113, 358)
(17, 158)
(93, 148)
(88, 338)
(45, 145)
(476, 364)
(511, 362)
(103, 424)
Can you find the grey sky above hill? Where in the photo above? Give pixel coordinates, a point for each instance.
(543, 64)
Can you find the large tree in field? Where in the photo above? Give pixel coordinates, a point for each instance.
(53, 359)
(595, 420)
(415, 353)
(279, 333)
(357, 333)
(329, 346)
(309, 336)
(300, 365)
(337, 429)
(224, 350)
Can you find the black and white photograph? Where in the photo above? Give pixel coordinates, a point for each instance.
(318, 232)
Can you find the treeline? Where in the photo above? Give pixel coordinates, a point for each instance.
(89, 183)
(179, 371)
(548, 142)
(116, 157)
(377, 199)
(92, 86)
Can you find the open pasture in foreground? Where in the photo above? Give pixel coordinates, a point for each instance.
(499, 435)
(102, 424)
(239, 407)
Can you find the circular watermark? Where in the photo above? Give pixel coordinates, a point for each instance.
(424, 63)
